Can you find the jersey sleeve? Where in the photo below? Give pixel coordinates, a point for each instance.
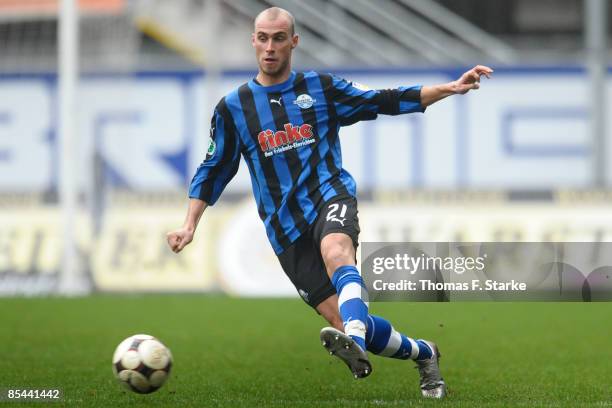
(221, 162)
(354, 102)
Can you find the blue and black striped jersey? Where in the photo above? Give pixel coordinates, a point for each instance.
(288, 136)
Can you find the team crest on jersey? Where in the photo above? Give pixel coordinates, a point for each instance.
(292, 137)
(304, 101)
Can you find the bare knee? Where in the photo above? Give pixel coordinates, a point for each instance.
(337, 250)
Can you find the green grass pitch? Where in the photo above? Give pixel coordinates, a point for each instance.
(265, 352)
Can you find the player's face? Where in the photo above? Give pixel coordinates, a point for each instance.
(273, 45)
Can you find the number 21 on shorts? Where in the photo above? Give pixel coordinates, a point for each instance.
(331, 214)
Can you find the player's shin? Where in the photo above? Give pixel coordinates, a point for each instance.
(384, 340)
(352, 302)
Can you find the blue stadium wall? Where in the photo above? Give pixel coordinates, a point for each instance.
(527, 129)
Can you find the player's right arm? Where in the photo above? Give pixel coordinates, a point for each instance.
(218, 168)
(180, 238)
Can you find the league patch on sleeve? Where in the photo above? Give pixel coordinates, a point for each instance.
(212, 147)
(361, 87)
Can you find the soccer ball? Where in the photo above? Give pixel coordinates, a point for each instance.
(142, 363)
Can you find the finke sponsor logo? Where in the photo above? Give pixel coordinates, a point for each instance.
(271, 142)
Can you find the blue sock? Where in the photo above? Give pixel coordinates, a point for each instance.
(352, 298)
(382, 339)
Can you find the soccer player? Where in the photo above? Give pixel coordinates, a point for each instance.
(285, 125)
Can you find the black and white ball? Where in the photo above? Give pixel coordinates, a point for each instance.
(142, 363)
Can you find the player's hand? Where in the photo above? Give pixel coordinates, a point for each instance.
(179, 239)
(471, 79)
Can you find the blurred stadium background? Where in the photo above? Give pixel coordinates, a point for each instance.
(104, 115)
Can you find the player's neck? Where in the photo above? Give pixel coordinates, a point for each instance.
(269, 80)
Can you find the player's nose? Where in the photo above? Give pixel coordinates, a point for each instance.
(269, 47)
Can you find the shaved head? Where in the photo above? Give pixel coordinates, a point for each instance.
(274, 39)
(274, 13)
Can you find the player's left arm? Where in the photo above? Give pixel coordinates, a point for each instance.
(468, 81)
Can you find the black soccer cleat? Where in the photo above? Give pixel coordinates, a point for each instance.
(432, 383)
(344, 347)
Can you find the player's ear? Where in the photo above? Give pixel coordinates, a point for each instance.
(295, 40)
(253, 39)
